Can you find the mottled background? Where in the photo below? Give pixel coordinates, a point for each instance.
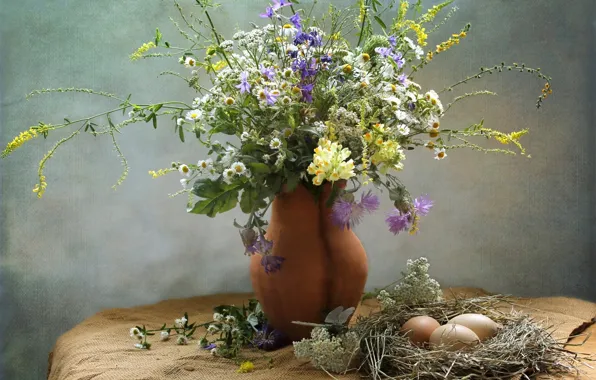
(506, 224)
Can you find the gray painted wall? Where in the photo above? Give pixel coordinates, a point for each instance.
(507, 224)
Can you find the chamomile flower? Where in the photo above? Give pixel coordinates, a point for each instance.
(393, 100)
(288, 30)
(180, 322)
(286, 100)
(135, 333)
(190, 62)
(387, 70)
(228, 175)
(164, 335)
(230, 319)
(239, 168)
(205, 165)
(440, 153)
(287, 132)
(229, 101)
(194, 115)
(275, 143)
(185, 170)
(429, 144)
(180, 121)
(403, 130)
(212, 329)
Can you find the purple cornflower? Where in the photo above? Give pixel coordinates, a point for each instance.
(423, 204)
(306, 69)
(261, 245)
(268, 96)
(397, 221)
(392, 40)
(307, 92)
(346, 213)
(383, 51)
(312, 38)
(244, 86)
(268, 72)
(295, 19)
(268, 13)
(280, 3)
(399, 59)
(272, 263)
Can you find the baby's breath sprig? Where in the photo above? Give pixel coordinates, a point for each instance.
(183, 331)
(546, 90)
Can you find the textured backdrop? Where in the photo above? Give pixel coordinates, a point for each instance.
(506, 224)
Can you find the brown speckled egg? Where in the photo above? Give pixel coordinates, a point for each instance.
(452, 337)
(419, 329)
(482, 325)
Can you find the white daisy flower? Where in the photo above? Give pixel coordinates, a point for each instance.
(212, 329)
(134, 332)
(401, 115)
(205, 165)
(190, 62)
(403, 130)
(228, 175)
(194, 115)
(164, 335)
(440, 153)
(394, 100)
(185, 170)
(244, 136)
(229, 101)
(275, 143)
(180, 322)
(239, 168)
(286, 100)
(182, 340)
(362, 60)
(180, 121)
(218, 317)
(230, 319)
(288, 30)
(387, 70)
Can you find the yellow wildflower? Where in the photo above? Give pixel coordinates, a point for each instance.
(140, 51)
(329, 163)
(20, 140)
(160, 172)
(40, 188)
(246, 367)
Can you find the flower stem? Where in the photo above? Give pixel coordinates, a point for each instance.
(217, 38)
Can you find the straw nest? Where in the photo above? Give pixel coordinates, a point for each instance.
(521, 349)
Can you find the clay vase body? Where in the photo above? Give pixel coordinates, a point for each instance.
(324, 266)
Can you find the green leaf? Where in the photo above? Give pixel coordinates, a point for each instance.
(149, 117)
(380, 22)
(158, 36)
(181, 133)
(253, 320)
(218, 197)
(167, 44)
(251, 200)
(155, 122)
(259, 168)
(157, 107)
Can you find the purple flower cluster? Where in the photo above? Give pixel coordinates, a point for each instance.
(269, 339)
(308, 70)
(399, 221)
(346, 213)
(277, 4)
(311, 38)
(265, 247)
(389, 52)
(244, 86)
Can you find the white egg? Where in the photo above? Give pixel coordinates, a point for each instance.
(483, 326)
(452, 337)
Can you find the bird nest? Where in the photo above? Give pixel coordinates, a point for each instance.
(522, 348)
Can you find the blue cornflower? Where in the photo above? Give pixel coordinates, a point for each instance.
(399, 59)
(295, 19)
(383, 51)
(392, 40)
(307, 92)
(244, 86)
(280, 3)
(268, 13)
(402, 79)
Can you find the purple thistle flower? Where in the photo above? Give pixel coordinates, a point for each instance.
(268, 72)
(392, 40)
(307, 92)
(295, 19)
(272, 263)
(244, 86)
(346, 214)
(397, 221)
(268, 13)
(280, 3)
(370, 202)
(423, 204)
(269, 339)
(383, 51)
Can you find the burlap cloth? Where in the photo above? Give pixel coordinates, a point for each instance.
(100, 347)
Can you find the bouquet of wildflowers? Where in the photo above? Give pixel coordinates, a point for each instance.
(303, 101)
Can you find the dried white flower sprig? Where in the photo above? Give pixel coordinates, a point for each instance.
(416, 287)
(181, 329)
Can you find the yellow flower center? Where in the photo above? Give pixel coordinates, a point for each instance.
(365, 57)
(347, 69)
(288, 26)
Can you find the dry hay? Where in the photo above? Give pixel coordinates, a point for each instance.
(521, 349)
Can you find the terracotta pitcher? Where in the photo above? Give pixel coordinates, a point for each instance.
(324, 266)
